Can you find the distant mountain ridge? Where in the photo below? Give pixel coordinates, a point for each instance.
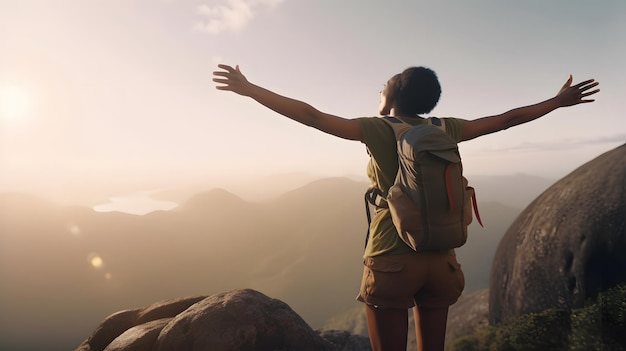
(304, 247)
(517, 190)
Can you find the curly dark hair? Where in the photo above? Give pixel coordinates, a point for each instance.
(417, 90)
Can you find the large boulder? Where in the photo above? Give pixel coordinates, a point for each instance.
(567, 245)
(237, 320)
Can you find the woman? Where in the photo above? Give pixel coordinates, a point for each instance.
(395, 277)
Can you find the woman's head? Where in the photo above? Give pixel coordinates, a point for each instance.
(414, 91)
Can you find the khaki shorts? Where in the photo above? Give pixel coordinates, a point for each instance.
(402, 281)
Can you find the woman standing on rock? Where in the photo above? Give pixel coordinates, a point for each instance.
(396, 277)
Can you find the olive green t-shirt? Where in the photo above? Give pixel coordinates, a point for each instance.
(382, 168)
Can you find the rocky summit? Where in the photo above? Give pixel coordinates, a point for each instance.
(567, 245)
(236, 320)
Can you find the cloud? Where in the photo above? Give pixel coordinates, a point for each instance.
(563, 144)
(230, 15)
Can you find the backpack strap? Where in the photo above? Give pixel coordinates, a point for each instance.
(437, 122)
(398, 126)
(375, 197)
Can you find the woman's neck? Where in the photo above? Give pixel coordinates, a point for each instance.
(397, 113)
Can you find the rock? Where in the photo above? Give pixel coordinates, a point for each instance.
(346, 341)
(236, 320)
(117, 323)
(140, 337)
(470, 312)
(239, 320)
(567, 245)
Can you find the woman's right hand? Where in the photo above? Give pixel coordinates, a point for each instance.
(233, 80)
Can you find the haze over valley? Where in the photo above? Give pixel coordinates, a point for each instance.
(65, 268)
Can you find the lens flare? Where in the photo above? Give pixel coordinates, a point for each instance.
(74, 229)
(95, 260)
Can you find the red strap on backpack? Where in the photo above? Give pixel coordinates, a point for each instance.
(451, 200)
(475, 205)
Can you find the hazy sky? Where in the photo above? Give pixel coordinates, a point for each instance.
(97, 92)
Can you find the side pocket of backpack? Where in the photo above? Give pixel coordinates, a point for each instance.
(406, 217)
(468, 206)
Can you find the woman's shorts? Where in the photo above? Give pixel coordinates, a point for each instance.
(401, 281)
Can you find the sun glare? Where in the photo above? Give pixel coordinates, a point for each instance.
(14, 102)
(95, 260)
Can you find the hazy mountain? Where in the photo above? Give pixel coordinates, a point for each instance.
(477, 254)
(259, 189)
(63, 269)
(517, 190)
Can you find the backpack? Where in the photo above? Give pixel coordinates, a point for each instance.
(430, 201)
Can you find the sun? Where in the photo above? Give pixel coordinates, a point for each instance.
(15, 103)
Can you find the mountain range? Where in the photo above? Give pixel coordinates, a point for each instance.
(65, 268)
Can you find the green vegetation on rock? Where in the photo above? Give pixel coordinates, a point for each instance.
(600, 325)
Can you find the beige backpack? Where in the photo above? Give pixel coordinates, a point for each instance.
(430, 201)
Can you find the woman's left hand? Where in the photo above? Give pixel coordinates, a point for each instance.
(572, 95)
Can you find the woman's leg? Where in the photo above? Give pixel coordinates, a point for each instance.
(430, 327)
(387, 328)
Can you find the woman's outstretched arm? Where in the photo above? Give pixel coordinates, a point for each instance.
(568, 96)
(232, 79)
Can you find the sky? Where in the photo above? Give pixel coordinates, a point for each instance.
(98, 93)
